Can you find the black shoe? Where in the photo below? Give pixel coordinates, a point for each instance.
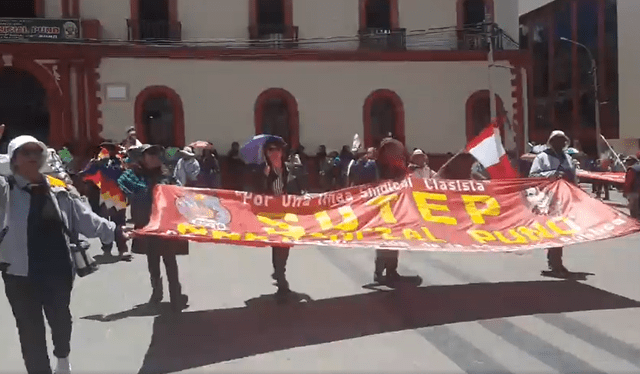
(181, 304)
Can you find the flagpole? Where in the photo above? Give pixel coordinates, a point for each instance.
(464, 150)
(612, 150)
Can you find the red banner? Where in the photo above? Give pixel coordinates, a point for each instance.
(413, 214)
(617, 178)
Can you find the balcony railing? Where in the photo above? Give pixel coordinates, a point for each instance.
(474, 38)
(383, 39)
(152, 30)
(273, 36)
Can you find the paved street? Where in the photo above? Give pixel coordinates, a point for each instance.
(490, 313)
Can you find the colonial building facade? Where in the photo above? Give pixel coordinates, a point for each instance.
(565, 38)
(314, 72)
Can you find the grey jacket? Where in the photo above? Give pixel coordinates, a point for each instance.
(14, 212)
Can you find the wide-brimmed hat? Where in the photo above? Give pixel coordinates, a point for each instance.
(150, 148)
(556, 134)
(109, 145)
(186, 152)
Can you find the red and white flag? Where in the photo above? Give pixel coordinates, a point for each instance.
(488, 150)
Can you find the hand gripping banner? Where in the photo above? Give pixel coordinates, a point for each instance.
(411, 214)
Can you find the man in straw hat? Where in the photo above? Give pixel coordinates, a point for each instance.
(555, 163)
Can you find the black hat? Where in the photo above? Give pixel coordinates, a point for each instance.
(109, 145)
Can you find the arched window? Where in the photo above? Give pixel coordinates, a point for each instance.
(276, 113)
(478, 113)
(160, 117)
(379, 14)
(154, 20)
(270, 17)
(383, 115)
(473, 12)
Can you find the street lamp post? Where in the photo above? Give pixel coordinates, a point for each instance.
(594, 71)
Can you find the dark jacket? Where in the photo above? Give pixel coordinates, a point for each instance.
(138, 185)
(262, 184)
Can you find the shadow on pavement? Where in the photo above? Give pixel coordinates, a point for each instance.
(197, 339)
(142, 310)
(108, 260)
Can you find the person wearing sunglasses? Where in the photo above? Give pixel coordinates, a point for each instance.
(36, 259)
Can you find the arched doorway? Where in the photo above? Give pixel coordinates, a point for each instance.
(276, 113)
(383, 116)
(159, 117)
(24, 107)
(478, 114)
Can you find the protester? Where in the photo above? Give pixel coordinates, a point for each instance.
(632, 185)
(112, 204)
(296, 180)
(364, 169)
(209, 176)
(137, 183)
(274, 180)
(35, 257)
(235, 168)
(478, 172)
(419, 166)
(392, 164)
(131, 141)
(555, 163)
(187, 169)
(346, 156)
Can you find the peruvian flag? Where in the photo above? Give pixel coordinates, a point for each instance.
(488, 150)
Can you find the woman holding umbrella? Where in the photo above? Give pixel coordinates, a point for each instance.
(269, 150)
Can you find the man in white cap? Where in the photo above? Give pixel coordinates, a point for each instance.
(555, 163)
(419, 165)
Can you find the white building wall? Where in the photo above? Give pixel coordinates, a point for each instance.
(327, 19)
(112, 14)
(506, 13)
(219, 96)
(214, 19)
(53, 9)
(628, 70)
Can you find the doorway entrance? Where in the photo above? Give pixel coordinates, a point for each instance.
(24, 107)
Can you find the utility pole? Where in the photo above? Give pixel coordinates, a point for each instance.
(594, 71)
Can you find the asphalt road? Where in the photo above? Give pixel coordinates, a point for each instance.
(489, 313)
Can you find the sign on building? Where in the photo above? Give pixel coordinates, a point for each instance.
(39, 29)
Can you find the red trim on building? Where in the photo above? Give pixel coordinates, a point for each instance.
(460, 11)
(75, 8)
(470, 105)
(398, 107)
(394, 14)
(81, 82)
(55, 98)
(65, 84)
(292, 107)
(39, 8)
(64, 7)
(176, 104)
(93, 92)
